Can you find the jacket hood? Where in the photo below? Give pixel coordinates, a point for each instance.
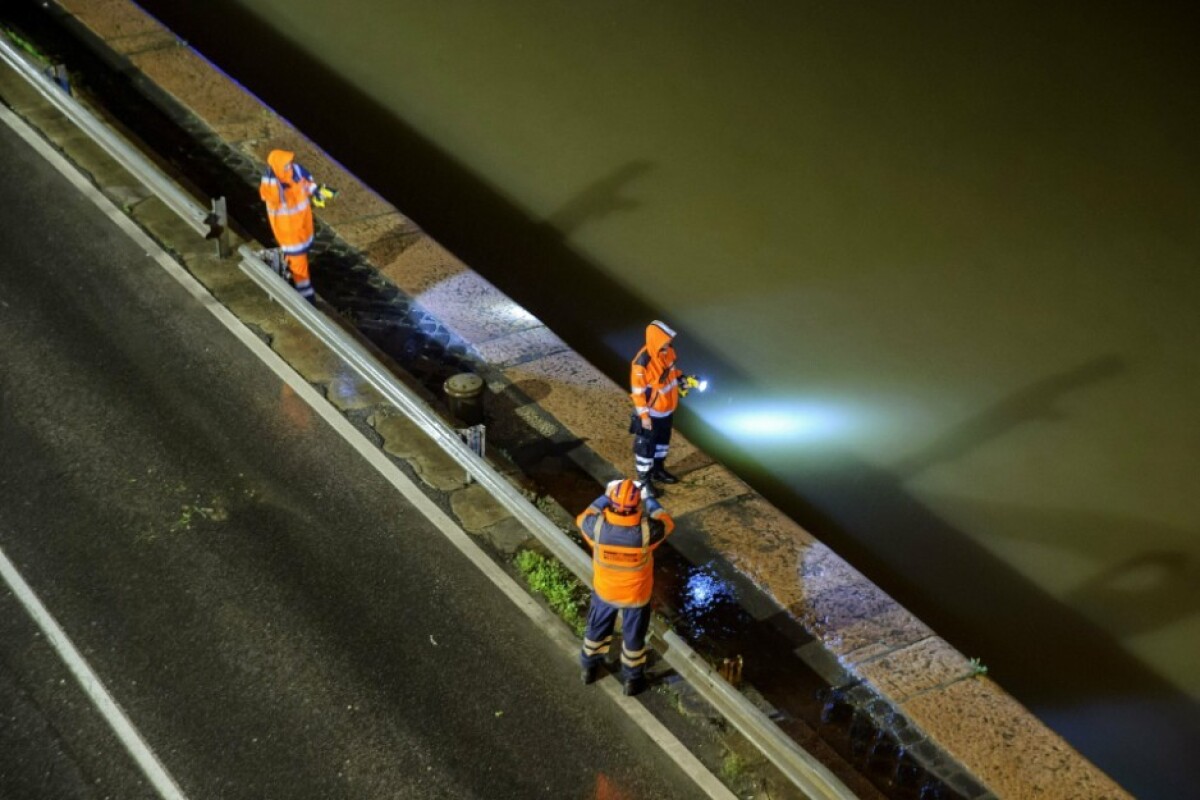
(658, 335)
(280, 160)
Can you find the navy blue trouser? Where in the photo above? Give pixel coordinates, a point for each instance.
(650, 447)
(597, 637)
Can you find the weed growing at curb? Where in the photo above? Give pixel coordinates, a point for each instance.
(562, 590)
(977, 667)
(24, 44)
(732, 767)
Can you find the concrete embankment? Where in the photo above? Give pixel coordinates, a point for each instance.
(857, 632)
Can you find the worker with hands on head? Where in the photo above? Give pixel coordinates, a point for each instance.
(656, 384)
(623, 531)
(289, 192)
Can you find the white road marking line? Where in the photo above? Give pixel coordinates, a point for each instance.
(92, 687)
(151, 767)
(551, 625)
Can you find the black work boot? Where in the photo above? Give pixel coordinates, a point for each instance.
(647, 488)
(660, 474)
(634, 685)
(588, 674)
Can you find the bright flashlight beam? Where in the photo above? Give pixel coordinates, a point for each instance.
(778, 421)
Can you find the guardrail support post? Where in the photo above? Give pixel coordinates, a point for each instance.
(58, 74)
(218, 221)
(475, 437)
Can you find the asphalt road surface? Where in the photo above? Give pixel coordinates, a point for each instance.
(273, 618)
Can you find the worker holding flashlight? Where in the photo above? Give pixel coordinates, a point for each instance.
(656, 384)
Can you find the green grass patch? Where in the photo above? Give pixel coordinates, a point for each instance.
(562, 590)
(733, 767)
(23, 43)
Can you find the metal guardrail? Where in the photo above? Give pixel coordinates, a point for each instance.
(209, 223)
(808, 774)
(801, 768)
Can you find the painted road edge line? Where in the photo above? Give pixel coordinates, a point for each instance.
(151, 767)
(687, 762)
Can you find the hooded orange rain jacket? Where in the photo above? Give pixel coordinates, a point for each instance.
(286, 188)
(654, 378)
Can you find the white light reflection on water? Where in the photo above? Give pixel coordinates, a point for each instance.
(781, 421)
(709, 603)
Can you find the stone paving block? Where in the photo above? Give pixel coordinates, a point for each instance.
(23, 98)
(762, 544)
(252, 305)
(115, 20)
(144, 42)
(192, 82)
(348, 392)
(403, 439)
(246, 133)
(702, 488)
(476, 509)
(515, 348)
(219, 275)
(168, 227)
(49, 122)
(853, 617)
(507, 536)
(382, 238)
(475, 310)
(125, 197)
(919, 667)
(1012, 753)
(420, 266)
(306, 353)
(582, 398)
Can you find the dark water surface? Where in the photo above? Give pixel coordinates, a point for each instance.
(940, 262)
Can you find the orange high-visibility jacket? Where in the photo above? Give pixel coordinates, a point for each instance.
(623, 550)
(286, 188)
(653, 376)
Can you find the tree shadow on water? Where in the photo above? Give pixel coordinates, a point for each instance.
(1044, 650)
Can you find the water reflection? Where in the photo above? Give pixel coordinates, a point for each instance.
(779, 421)
(708, 606)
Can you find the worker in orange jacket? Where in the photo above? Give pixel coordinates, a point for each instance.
(656, 384)
(289, 192)
(623, 537)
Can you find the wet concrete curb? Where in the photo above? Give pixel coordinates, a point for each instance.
(900, 663)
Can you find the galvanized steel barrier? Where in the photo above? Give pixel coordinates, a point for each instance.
(210, 223)
(808, 774)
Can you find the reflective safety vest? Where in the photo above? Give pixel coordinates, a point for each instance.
(623, 550)
(653, 376)
(286, 188)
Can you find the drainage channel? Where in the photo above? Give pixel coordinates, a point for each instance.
(703, 603)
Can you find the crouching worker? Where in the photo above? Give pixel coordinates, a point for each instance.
(623, 536)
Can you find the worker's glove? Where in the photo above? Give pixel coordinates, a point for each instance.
(323, 194)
